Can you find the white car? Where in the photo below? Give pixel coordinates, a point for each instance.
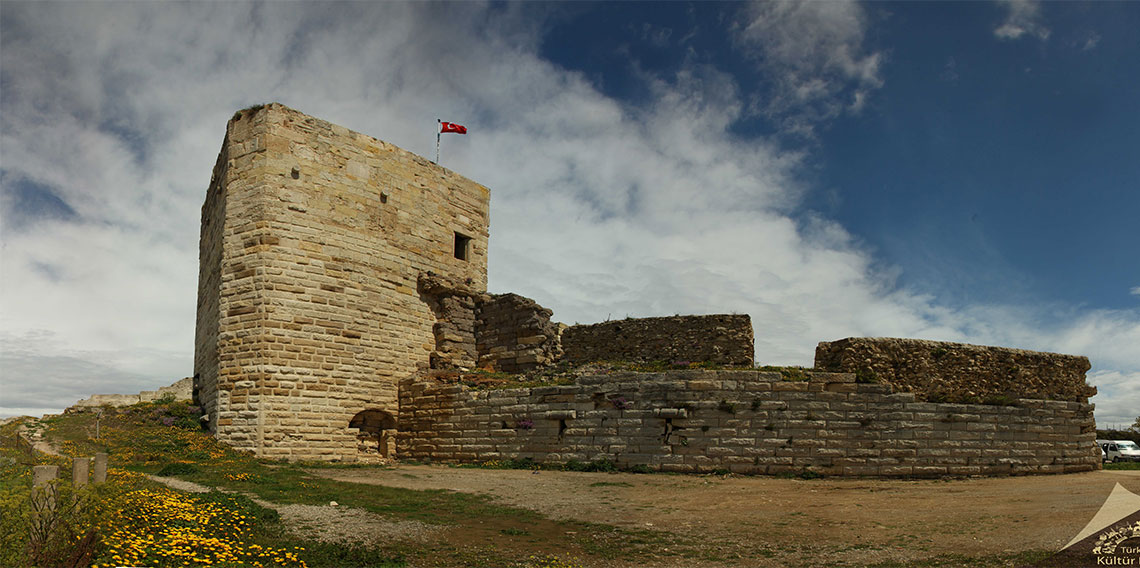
(1119, 450)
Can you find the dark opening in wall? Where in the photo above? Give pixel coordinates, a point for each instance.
(462, 246)
(377, 432)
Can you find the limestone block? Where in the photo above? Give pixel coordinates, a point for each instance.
(559, 415)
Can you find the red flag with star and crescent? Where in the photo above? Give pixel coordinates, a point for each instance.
(445, 127)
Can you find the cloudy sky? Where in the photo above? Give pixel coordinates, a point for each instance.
(951, 171)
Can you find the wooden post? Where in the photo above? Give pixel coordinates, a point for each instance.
(100, 468)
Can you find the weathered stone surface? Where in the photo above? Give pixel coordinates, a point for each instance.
(725, 339)
(313, 239)
(742, 421)
(941, 371)
(514, 334)
(80, 471)
(341, 278)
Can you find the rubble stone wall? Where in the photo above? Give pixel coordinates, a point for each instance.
(454, 307)
(958, 372)
(745, 422)
(313, 238)
(515, 334)
(725, 339)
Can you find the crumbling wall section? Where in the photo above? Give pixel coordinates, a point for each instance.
(454, 307)
(515, 334)
(725, 339)
(745, 422)
(957, 372)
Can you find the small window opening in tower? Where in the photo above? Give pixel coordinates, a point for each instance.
(462, 246)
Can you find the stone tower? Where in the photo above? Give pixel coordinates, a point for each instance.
(315, 242)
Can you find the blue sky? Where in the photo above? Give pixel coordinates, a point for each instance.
(960, 171)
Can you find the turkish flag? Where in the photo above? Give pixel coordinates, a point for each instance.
(452, 127)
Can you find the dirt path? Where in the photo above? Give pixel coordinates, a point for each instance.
(329, 523)
(814, 521)
(32, 432)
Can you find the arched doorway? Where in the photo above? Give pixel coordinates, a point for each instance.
(377, 432)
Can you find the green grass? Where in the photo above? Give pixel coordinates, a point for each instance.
(112, 500)
(1026, 558)
(1122, 465)
(787, 373)
(164, 438)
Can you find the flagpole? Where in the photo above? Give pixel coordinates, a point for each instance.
(438, 128)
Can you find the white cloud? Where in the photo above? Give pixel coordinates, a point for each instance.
(599, 209)
(1091, 42)
(1023, 18)
(815, 55)
(1118, 402)
(1135, 291)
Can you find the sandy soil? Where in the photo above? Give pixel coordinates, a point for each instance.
(768, 521)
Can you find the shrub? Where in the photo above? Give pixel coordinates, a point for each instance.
(177, 468)
(602, 465)
(793, 374)
(15, 513)
(866, 375)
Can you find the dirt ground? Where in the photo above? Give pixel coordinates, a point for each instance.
(762, 521)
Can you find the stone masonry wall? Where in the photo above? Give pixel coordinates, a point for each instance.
(744, 421)
(208, 317)
(940, 371)
(515, 334)
(313, 238)
(724, 339)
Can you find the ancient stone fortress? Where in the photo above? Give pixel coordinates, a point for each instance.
(342, 295)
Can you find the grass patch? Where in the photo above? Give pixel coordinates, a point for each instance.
(510, 463)
(177, 468)
(1026, 558)
(597, 465)
(1122, 466)
(804, 473)
(787, 373)
(165, 438)
(131, 521)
